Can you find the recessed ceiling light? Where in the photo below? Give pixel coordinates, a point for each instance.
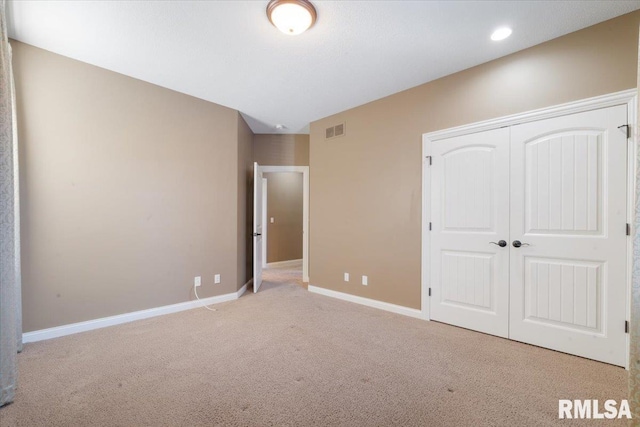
(292, 17)
(501, 34)
(279, 126)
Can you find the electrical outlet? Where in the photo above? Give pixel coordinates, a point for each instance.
(365, 280)
(346, 277)
(272, 220)
(216, 278)
(197, 281)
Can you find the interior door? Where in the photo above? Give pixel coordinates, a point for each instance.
(257, 227)
(568, 211)
(469, 254)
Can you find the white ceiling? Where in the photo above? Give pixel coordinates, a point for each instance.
(227, 52)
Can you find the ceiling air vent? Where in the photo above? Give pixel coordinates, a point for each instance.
(335, 131)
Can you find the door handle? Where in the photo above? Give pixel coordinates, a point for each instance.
(518, 243)
(257, 234)
(501, 243)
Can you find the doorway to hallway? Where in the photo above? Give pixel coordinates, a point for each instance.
(290, 273)
(280, 224)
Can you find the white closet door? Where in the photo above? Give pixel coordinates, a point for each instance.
(568, 208)
(470, 209)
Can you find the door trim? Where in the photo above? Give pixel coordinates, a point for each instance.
(264, 221)
(610, 100)
(304, 170)
(627, 97)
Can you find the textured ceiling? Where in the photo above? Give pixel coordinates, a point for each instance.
(227, 52)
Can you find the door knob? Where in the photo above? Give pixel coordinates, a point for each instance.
(518, 243)
(501, 243)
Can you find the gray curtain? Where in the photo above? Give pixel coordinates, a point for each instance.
(634, 359)
(10, 294)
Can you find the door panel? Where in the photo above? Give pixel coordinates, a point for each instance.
(466, 280)
(563, 175)
(568, 206)
(470, 209)
(564, 292)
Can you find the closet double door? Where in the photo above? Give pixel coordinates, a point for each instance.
(528, 233)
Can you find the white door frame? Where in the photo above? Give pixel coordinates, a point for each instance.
(304, 170)
(626, 97)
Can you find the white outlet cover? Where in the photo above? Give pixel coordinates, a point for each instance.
(272, 220)
(197, 280)
(217, 278)
(346, 277)
(365, 280)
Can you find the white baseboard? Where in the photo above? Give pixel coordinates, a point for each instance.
(398, 309)
(89, 325)
(289, 263)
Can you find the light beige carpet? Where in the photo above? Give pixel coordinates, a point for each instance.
(286, 357)
(289, 274)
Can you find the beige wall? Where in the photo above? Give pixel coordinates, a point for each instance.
(245, 202)
(284, 205)
(365, 212)
(281, 150)
(128, 191)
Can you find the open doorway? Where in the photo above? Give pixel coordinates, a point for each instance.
(281, 216)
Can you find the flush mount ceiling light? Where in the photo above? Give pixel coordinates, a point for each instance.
(501, 34)
(291, 16)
